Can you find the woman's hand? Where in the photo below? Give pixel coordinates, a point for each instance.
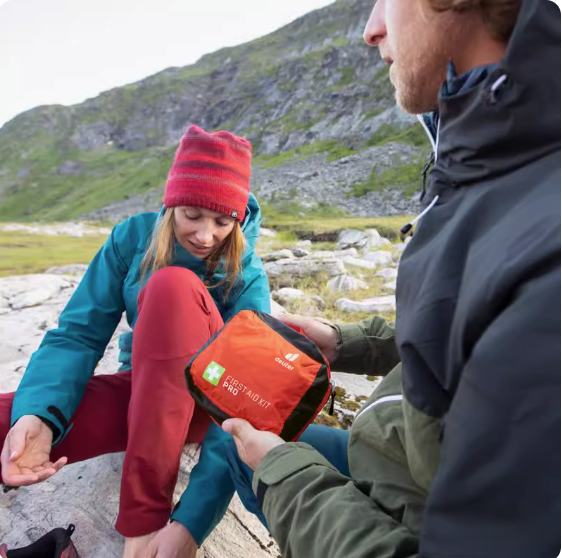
(174, 541)
(317, 330)
(26, 453)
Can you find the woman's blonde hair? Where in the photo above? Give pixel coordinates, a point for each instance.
(160, 251)
(500, 16)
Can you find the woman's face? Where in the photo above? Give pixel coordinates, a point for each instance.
(200, 231)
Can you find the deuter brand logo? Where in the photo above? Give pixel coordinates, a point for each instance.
(291, 357)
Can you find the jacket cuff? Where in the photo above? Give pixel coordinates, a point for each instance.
(350, 344)
(282, 462)
(51, 416)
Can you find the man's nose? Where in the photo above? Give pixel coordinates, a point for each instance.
(375, 30)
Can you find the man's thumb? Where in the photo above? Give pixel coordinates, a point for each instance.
(239, 428)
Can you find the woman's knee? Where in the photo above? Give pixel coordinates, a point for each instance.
(171, 285)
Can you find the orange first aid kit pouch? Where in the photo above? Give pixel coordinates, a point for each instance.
(261, 370)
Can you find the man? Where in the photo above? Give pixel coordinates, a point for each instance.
(458, 453)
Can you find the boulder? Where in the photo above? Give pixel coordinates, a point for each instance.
(371, 305)
(346, 284)
(31, 290)
(362, 240)
(387, 273)
(303, 267)
(279, 255)
(380, 257)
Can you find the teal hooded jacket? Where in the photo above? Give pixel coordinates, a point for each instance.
(57, 374)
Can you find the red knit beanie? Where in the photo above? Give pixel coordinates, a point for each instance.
(211, 170)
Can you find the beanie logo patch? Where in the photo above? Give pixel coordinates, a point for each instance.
(234, 213)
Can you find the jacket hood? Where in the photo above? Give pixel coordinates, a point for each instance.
(510, 114)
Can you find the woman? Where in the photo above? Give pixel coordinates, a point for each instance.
(197, 264)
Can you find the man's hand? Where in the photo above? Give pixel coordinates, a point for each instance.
(252, 444)
(317, 331)
(26, 453)
(174, 541)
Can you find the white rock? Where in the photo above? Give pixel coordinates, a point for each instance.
(286, 294)
(4, 306)
(357, 262)
(362, 240)
(302, 267)
(12, 286)
(372, 305)
(73, 269)
(267, 233)
(347, 252)
(391, 285)
(399, 248)
(304, 243)
(407, 240)
(321, 255)
(32, 298)
(279, 255)
(387, 273)
(380, 257)
(346, 284)
(384, 241)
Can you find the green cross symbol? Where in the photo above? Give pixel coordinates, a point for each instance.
(213, 373)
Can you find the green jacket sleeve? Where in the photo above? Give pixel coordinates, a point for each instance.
(57, 374)
(368, 347)
(313, 510)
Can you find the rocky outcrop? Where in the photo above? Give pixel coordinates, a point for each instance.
(312, 97)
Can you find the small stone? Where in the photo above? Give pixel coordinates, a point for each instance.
(279, 255)
(304, 243)
(346, 284)
(300, 252)
(380, 257)
(387, 273)
(267, 233)
(371, 305)
(319, 302)
(391, 285)
(288, 294)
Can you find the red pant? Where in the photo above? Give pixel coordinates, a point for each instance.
(148, 413)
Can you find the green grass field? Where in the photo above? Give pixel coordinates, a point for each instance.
(21, 254)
